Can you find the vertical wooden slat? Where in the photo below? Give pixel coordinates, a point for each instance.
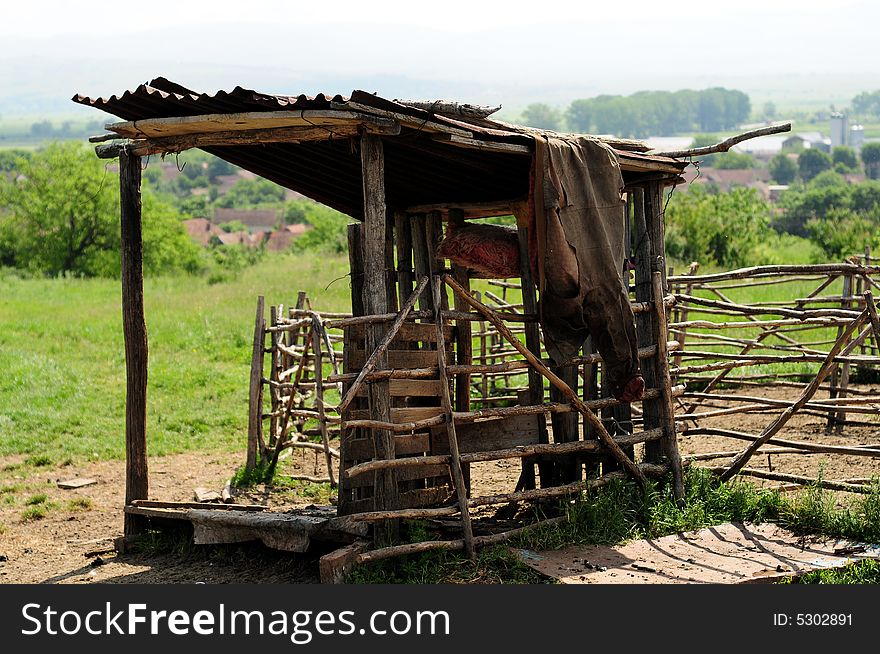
(433, 236)
(645, 319)
(356, 263)
(421, 258)
(134, 329)
(405, 275)
(375, 302)
(255, 401)
(533, 344)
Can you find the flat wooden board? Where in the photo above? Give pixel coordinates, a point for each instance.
(72, 484)
(410, 388)
(409, 332)
(361, 449)
(203, 124)
(401, 415)
(489, 435)
(731, 553)
(397, 359)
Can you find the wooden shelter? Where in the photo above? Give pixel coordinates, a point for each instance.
(400, 169)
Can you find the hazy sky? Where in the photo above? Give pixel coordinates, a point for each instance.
(492, 47)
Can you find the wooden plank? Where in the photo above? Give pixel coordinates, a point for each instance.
(375, 302)
(361, 449)
(400, 415)
(480, 144)
(409, 331)
(174, 126)
(397, 359)
(404, 474)
(410, 388)
(410, 499)
(134, 330)
(421, 259)
(72, 484)
(490, 435)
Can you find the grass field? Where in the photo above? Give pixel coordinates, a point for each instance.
(62, 390)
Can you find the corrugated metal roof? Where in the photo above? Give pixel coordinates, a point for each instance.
(418, 169)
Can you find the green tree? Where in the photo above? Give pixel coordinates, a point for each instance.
(580, 116)
(542, 116)
(811, 162)
(843, 232)
(768, 111)
(716, 228)
(782, 169)
(328, 233)
(844, 156)
(62, 217)
(871, 159)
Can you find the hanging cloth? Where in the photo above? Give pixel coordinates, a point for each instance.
(577, 218)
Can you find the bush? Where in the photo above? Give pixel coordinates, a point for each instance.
(811, 162)
(842, 232)
(716, 228)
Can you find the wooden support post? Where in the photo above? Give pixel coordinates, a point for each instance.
(134, 329)
(651, 409)
(255, 401)
(669, 441)
(446, 403)
(840, 373)
(533, 344)
(346, 494)
(433, 236)
(375, 302)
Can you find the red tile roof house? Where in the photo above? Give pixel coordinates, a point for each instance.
(254, 219)
(280, 240)
(201, 230)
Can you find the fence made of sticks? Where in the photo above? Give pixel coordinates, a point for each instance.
(809, 329)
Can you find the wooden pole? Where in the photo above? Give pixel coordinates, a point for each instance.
(669, 442)
(446, 403)
(134, 329)
(645, 321)
(375, 301)
(569, 394)
(255, 401)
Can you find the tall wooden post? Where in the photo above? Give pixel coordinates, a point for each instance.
(645, 332)
(134, 329)
(533, 343)
(376, 302)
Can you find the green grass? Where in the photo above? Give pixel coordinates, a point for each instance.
(80, 504)
(34, 513)
(860, 572)
(39, 498)
(63, 361)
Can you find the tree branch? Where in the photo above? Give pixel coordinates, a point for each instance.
(726, 144)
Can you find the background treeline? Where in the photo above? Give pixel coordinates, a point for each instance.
(647, 113)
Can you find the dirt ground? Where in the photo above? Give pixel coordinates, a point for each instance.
(72, 542)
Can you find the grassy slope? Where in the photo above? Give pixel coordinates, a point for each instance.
(62, 390)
